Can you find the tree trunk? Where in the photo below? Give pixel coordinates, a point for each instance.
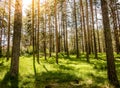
(114, 16)
(67, 51)
(77, 48)
(2, 28)
(56, 31)
(63, 23)
(45, 33)
(81, 26)
(85, 33)
(94, 36)
(8, 40)
(112, 76)
(33, 37)
(89, 37)
(50, 37)
(59, 44)
(53, 36)
(38, 32)
(98, 36)
(14, 69)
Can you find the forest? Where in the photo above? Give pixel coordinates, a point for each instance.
(59, 43)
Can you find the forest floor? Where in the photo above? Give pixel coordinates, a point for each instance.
(71, 72)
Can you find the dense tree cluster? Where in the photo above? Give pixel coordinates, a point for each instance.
(61, 27)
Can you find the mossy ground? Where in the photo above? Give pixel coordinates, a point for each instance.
(71, 72)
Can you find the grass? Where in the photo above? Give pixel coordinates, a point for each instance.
(71, 72)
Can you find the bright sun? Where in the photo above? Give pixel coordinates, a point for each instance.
(27, 2)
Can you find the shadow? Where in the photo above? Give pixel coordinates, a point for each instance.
(63, 67)
(74, 60)
(53, 78)
(9, 82)
(101, 80)
(45, 68)
(1, 63)
(99, 65)
(3, 67)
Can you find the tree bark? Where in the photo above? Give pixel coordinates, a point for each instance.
(50, 37)
(45, 33)
(8, 40)
(56, 31)
(87, 33)
(2, 28)
(114, 16)
(98, 35)
(112, 76)
(94, 36)
(33, 37)
(14, 69)
(76, 30)
(38, 34)
(66, 31)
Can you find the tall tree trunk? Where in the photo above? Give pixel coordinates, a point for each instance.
(56, 31)
(59, 48)
(112, 76)
(89, 37)
(50, 37)
(38, 34)
(81, 26)
(85, 33)
(63, 23)
(103, 42)
(114, 16)
(2, 28)
(8, 40)
(45, 33)
(94, 36)
(98, 36)
(77, 48)
(53, 36)
(62, 36)
(67, 51)
(33, 37)
(14, 69)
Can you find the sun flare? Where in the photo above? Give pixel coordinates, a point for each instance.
(27, 2)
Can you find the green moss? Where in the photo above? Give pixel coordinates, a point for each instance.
(69, 73)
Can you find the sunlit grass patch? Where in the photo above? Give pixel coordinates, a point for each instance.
(71, 72)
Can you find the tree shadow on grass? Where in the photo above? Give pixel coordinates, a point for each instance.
(9, 82)
(3, 68)
(99, 65)
(53, 78)
(65, 67)
(98, 81)
(76, 61)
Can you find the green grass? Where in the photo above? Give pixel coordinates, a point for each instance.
(71, 72)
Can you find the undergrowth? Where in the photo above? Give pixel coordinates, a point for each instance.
(71, 72)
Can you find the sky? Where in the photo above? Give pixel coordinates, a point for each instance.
(26, 3)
